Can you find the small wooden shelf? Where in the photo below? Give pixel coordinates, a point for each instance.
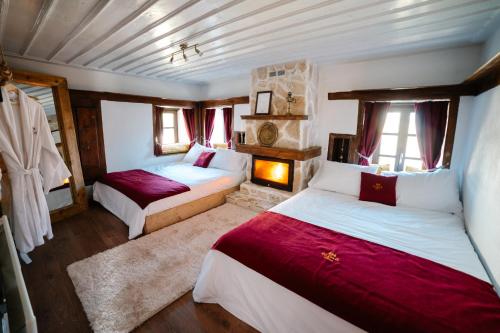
(275, 117)
(283, 153)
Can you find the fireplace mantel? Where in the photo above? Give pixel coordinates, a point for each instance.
(275, 117)
(283, 153)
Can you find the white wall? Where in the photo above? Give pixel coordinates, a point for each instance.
(128, 136)
(477, 156)
(103, 81)
(491, 46)
(446, 66)
(464, 117)
(481, 184)
(240, 110)
(227, 87)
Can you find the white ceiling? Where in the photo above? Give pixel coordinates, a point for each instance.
(136, 37)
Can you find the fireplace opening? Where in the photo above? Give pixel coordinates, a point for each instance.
(272, 172)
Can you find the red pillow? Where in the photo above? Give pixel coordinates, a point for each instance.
(375, 188)
(204, 159)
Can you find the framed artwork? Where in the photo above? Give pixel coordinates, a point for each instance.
(263, 102)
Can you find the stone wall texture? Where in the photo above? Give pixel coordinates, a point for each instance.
(301, 78)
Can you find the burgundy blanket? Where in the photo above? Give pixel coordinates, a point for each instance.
(374, 287)
(143, 187)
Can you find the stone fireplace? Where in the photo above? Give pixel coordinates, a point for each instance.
(293, 152)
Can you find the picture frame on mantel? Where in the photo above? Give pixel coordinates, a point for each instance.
(263, 102)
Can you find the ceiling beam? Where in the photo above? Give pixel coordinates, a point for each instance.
(329, 16)
(143, 31)
(295, 25)
(281, 41)
(171, 32)
(205, 31)
(262, 59)
(228, 34)
(122, 24)
(41, 19)
(4, 9)
(91, 15)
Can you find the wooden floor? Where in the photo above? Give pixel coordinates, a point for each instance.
(56, 304)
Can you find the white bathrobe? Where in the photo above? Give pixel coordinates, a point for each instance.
(34, 167)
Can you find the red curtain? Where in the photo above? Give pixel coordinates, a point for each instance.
(228, 125)
(209, 125)
(190, 125)
(373, 124)
(430, 120)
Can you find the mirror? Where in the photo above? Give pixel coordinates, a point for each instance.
(52, 93)
(61, 196)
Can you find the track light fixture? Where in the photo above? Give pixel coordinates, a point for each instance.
(183, 49)
(197, 50)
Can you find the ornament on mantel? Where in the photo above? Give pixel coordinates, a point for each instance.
(290, 99)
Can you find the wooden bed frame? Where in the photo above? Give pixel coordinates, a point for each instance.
(176, 214)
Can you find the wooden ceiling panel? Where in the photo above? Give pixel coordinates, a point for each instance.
(382, 16)
(105, 21)
(183, 16)
(214, 32)
(264, 53)
(169, 42)
(62, 19)
(153, 17)
(136, 37)
(383, 24)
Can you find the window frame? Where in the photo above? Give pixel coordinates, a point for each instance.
(404, 109)
(158, 128)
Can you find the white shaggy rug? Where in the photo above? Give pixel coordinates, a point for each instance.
(122, 287)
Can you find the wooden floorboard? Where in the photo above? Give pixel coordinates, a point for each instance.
(53, 296)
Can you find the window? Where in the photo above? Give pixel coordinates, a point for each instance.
(398, 149)
(169, 127)
(218, 136)
(170, 135)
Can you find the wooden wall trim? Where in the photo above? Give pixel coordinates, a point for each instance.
(228, 101)
(117, 97)
(450, 131)
(433, 92)
(483, 79)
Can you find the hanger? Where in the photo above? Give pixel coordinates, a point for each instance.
(5, 72)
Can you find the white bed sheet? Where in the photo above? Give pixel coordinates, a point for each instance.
(269, 307)
(201, 181)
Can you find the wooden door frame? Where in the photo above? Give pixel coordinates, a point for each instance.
(59, 87)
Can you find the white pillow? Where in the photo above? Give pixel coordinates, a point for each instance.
(340, 177)
(437, 190)
(195, 152)
(228, 159)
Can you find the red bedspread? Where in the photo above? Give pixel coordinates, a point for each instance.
(143, 187)
(375, 287)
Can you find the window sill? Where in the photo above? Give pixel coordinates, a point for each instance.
(174, 149)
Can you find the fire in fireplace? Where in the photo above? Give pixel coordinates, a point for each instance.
(272, 172)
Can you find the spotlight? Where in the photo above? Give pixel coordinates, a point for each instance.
(198, 51)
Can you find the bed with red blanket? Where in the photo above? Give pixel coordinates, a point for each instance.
(327, 262)
(137, 196)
